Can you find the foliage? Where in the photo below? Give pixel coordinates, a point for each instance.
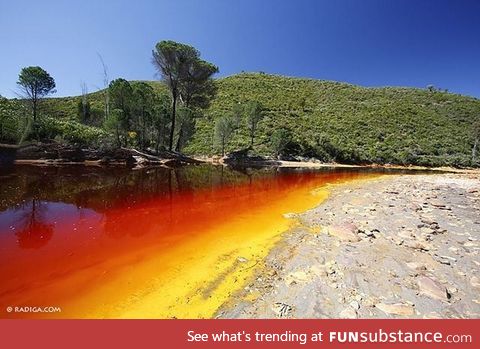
(84, 111)
(224, 128)
(35, 83)
(187, 76)
(71, 132)
(14, 121)
(327, 120)
(254, 113)
(347, 123)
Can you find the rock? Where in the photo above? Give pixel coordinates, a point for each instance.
(355, 305)
(475, 282)
(363, 235)
(396, 309)
(348, 313)
(330, 267)
(242, 259)
(319, 270)
(428, 220)
(405, 234)
(445, 259)
(71, 154)
(432, 315)
(416, 245)
(454, 249)
(282, 309)
(432, 289)
(297, 276)
(437, 203)
(140, 161)
(345, 232)
(416, 266)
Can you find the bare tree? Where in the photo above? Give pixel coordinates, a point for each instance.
(106, 83)
(84, 87)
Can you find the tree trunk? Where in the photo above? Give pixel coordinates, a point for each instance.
(34, 110)
(474, 151)
(172, 130)
(34, 123)
(179, 140)
(117, 133)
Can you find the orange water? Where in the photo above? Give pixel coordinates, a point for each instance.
(168, 244)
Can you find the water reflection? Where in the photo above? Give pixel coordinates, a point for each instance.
(32, 229)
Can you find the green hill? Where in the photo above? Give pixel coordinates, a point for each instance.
(333, 121)
(398, 125)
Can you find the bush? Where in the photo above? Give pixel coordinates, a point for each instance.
(70, 131)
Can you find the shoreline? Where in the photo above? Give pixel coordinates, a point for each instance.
(396, 246)
(211, 161)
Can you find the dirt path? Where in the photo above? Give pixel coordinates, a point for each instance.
(400, 246)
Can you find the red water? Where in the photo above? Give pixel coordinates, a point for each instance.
(115, 243)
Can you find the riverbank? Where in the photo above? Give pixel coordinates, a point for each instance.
(399, 246)
(318, 165)
(55, 154)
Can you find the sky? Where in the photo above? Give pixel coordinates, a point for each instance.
(365, 42)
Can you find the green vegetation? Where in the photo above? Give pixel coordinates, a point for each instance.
(345, 123)
(189, 80)
(308, 118)
(224, 128)
(35, 83)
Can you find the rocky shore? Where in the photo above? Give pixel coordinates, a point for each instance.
(61, 154)
(402, 246)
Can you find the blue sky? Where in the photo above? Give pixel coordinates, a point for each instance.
(365, 42)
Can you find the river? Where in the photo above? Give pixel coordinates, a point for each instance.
(149, 243)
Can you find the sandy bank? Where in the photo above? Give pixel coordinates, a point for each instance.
(399, 246)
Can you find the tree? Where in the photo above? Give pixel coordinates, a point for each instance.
(224, 128)
(281, 140)
(254, 113)
(196, 92)
(160, 119)
(84, 104)
(237, 114)
(186, 126)
(476, 140)
(198, 88)
(185, 74)
(121, 92)
(35, 83)
(114, 123)
(143, 97)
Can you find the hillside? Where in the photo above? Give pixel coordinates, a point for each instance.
(334, 121)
